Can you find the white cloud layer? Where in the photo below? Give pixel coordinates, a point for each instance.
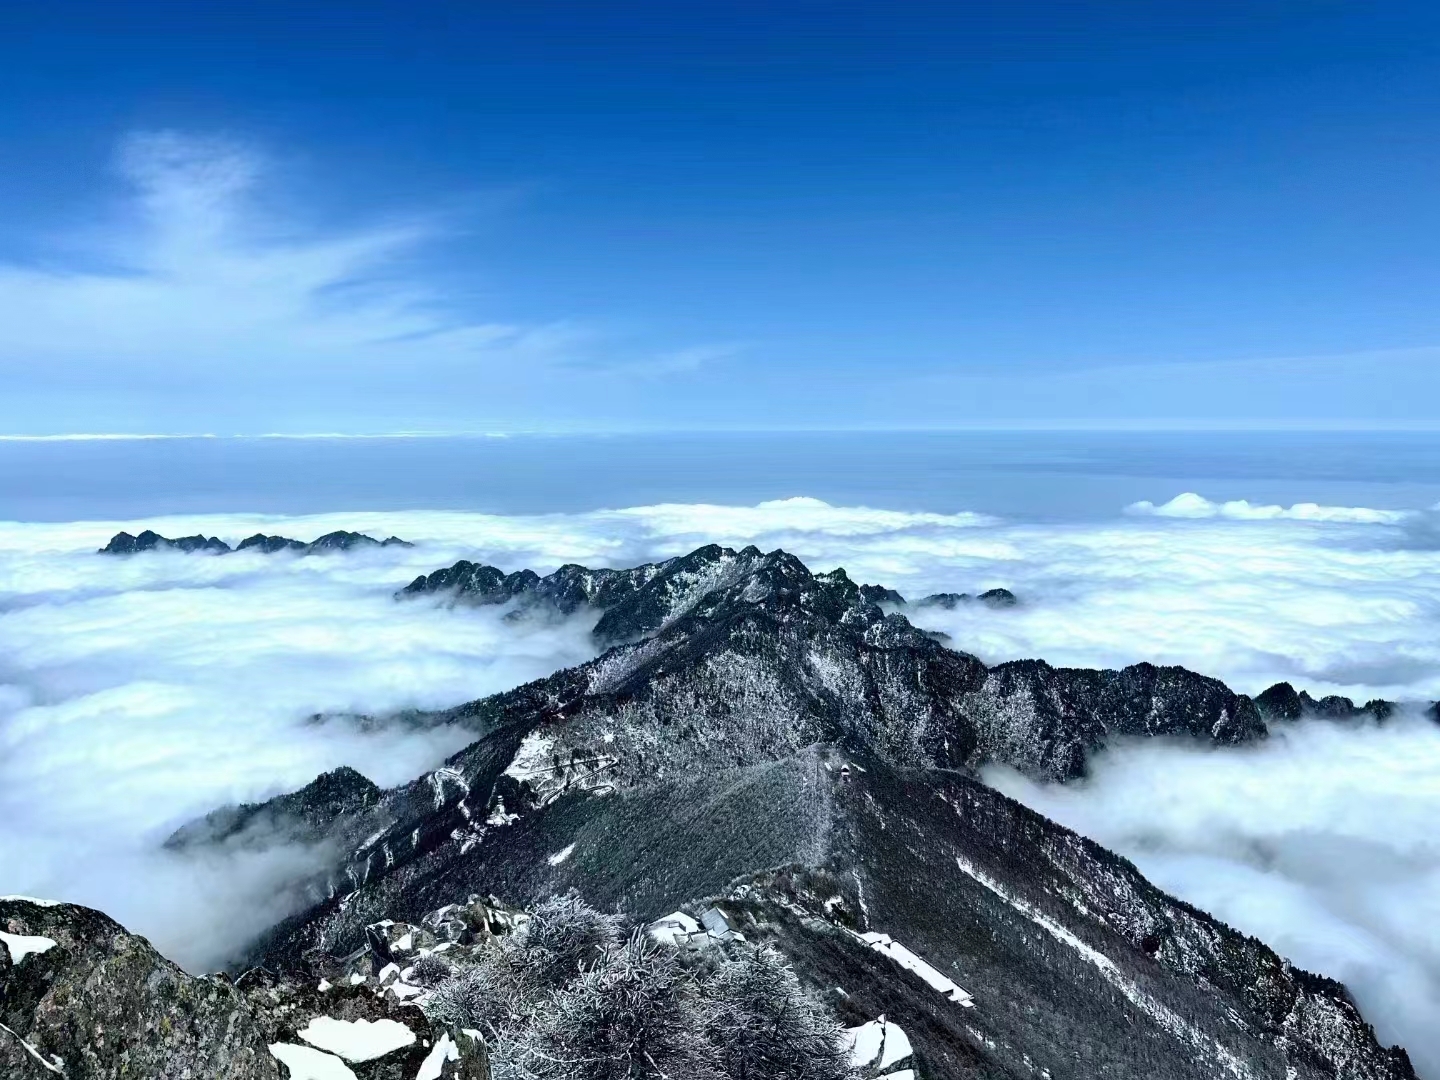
(1321, 842)
(1190, 505)
(135, 693)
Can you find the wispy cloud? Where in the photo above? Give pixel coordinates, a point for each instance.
(201, 310)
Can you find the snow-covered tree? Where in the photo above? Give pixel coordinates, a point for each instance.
(636, 1015)
(570, 998)
(766, 1027)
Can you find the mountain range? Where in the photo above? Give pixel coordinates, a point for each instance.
(778, 751)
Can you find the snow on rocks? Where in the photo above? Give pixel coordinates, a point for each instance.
(878, 1044)
(22, 945)
(532, 759)
(434, 1064)
(561, 855)
(305, 1063)
(888, 946)
(357, 1040)
(57, 1066)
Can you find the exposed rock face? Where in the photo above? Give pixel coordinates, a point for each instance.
(635, 602)
(122, 543)
(1027, 711)
(878, 594)
(303, 816)
(1281, 704)
(641, 600)
(101, 1003)
(738, 655)
(995, 598)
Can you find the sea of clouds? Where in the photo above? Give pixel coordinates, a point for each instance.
(139, 692)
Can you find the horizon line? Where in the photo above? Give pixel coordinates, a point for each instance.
(1138, 427)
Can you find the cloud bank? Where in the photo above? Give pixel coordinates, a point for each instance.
(136, 693)
(1321, 842)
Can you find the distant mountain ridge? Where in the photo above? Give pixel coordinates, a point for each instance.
(573, 587)
(122, 543)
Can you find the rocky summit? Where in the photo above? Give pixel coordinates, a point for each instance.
(768, 776)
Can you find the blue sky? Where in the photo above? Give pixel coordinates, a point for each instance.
(550, 216)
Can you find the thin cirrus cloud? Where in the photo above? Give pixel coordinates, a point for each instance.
(198, 310)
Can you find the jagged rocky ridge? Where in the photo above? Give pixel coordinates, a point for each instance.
(769, 740)
(122, 543)
(664, 585)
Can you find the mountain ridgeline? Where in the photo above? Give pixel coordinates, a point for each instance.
(785, 755)
(122, 543)
(770, 740)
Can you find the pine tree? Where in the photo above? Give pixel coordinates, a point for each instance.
(765, 1027)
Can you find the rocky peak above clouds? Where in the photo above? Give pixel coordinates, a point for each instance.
(122, 543)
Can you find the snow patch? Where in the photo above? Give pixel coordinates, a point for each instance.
(878, 1043)
(534, 758)
(561, 855)
(307, 1064)
(357, 1040)
(58, 1067)
(888, 946)
(443, 1051)
(21, 945)
(32, 900)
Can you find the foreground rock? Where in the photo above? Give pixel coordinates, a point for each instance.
(99, 1002)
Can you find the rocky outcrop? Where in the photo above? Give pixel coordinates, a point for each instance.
(97, 1003)
(995, 598)
(640, 600)
(1281, 703)
(305, 816)
(122, 543)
